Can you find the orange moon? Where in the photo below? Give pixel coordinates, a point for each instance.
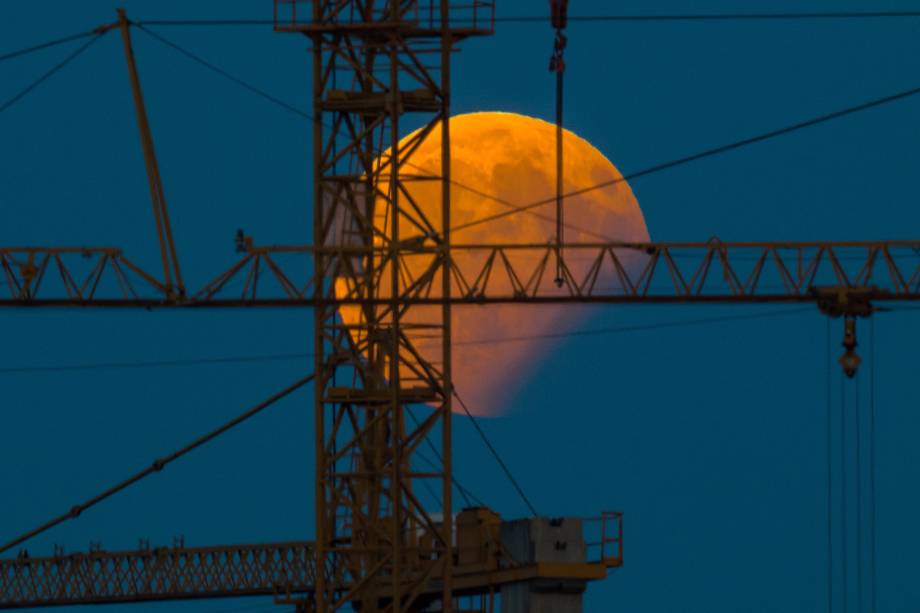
(511, 157)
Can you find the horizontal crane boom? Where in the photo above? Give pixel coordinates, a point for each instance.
(841, 277)
(98, 577)
(484, 563)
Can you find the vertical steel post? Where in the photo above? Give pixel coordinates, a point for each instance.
(319, 318)
(446, 351)
(396, 433)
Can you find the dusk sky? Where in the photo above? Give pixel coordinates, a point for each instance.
(707, 431)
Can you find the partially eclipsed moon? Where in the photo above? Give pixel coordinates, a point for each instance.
(511, 157)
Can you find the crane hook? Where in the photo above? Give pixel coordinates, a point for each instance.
(850, 360)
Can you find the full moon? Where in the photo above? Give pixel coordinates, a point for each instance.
(497, 160)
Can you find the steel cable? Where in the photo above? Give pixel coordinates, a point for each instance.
(47, 45)
(467, 495)
(304, 115)
(71, 57)
(526, 19)
(157, 465)
(703, 154)
(481, 341)
(859, 471)
(495, 454)
(514, 209)
(527, 208)
(828, 433)
(222, 72)
(843, 489)
(811, 16)
(154, 363)
(872, 545)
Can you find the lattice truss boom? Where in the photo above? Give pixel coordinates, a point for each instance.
(615, 272)
(278, 569)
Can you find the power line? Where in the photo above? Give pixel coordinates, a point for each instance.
(705, 154)
(157, 465)
(72, 56)
(482, 341)
(495, 454)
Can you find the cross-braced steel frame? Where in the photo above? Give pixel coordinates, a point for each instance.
(375, 62)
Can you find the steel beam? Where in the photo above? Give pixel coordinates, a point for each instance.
(826, 273)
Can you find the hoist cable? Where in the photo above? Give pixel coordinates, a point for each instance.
(859, 500)
(830, 505)
(843, 488)
(872, 458)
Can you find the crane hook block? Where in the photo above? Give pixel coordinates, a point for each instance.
(849, 360)
(558, 10)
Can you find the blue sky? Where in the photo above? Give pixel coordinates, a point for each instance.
(711, 438)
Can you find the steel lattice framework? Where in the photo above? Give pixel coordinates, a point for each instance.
(99, 577)
(375, 62)
(389, 262)
(282, 276)
(284, 571)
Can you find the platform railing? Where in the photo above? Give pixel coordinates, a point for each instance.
(466, 16)
(609, 543)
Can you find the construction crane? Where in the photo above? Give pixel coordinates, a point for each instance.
(377, 547)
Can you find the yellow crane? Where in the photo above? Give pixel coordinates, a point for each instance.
(377, 547)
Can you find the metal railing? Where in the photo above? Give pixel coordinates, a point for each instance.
(609, 543)
(469, 16)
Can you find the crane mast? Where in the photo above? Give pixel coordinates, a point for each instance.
(376, 63)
